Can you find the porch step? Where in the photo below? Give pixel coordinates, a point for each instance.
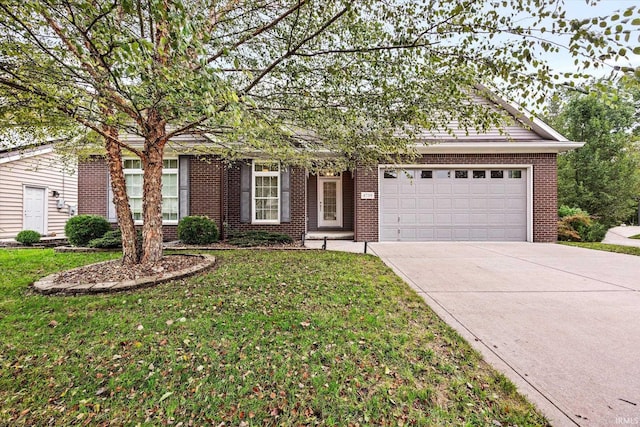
(330, 235)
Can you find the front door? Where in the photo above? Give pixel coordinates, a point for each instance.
(330, 200)
(35, 209)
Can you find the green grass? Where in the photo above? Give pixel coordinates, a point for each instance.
(267, 338)
(635, 236)
(629, 250)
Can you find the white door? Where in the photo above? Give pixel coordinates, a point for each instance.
(329, 201)
(475, 204)
(35, 209)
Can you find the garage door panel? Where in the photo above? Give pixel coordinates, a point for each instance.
(425, 219)
(409, 203)
(443, 219)
(425, 188)
(443, 188)
(407, 219)
(423, 203)
(443, 204)
(388, 203)
(454, 204)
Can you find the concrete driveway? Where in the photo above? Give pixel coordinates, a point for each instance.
(562, 323)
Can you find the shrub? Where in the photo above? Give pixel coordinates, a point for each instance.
(565, 210)
(258, 238)
(28, 237)
(197, 230)
(595, 233)
(83, 228)
(111, 239)
(580, 227)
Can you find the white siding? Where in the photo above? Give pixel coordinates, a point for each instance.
(512, 129)
(45, 171)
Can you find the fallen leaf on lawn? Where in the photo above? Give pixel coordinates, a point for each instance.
(169, 322)
(140, 327)
(164, 396)
(53, 324)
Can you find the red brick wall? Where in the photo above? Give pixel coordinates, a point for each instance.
(545, 199)
(298, 198)
(93, 175)
(205, 192)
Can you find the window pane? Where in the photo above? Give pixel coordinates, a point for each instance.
(497, 174)
(443, 174)
(134, 184)
(266, 167)
(462, 174)
(170, 163)
(169, 185)
(390, 174)
(515, 174)
(426, 174)
(479, 174)
(132, 164)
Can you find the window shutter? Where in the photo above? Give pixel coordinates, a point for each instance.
(285, 195)
(112, 216)
(245, 192)
(183, 186)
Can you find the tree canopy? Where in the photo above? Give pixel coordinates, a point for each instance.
(287, 79)
(603, 177)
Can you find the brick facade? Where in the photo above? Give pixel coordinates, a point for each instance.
(545, 198)
(298, 198)
(215, 192)
(205, 187)
(93, 178)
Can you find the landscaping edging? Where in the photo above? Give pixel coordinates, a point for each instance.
(48, 286)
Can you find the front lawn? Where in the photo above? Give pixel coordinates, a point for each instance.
(268, 338)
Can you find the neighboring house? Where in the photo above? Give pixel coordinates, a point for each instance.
(38, 191)
(495, 186)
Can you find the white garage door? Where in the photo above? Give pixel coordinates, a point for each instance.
(453, 204)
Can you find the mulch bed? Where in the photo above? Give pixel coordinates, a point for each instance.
(114, 271)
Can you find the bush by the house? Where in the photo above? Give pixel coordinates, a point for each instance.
(258, 238)
(576, 225)
(565, 210)
(197, 230)
(28, 237)
(111, 240)
(83, 228)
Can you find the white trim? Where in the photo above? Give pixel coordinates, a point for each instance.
(45, 201)
(527, 167)
(276, 174)
(495, 147)
(26, 154)
(339, 214)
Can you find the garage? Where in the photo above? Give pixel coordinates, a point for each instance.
(454, 204)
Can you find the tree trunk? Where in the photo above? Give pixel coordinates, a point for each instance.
(130, 252)
(154, 144)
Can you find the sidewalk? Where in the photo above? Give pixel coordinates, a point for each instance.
(620, 236)
(339, 245)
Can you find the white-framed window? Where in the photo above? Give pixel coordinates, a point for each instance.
(265, 188)
(133, 178)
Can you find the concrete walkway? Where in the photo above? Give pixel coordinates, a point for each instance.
(563, 323)
(620, 236)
